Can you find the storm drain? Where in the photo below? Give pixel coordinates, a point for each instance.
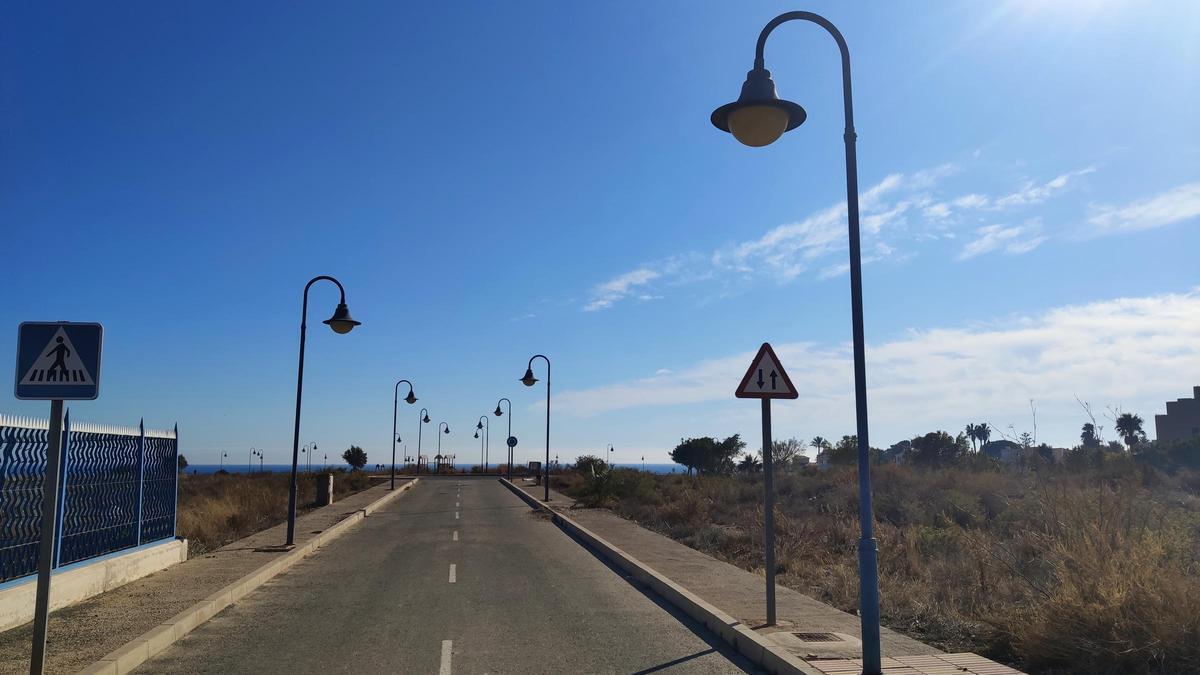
(817, 637)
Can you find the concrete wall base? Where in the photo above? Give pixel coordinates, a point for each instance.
(77, 583)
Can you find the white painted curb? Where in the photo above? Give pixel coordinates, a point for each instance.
(758, 649)
(155, 640)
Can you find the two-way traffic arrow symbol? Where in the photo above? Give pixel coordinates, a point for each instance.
(773, 376)
(760, 378)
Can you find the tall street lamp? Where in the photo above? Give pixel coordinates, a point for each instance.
(250, 461)
(421, 422)
(341, 322)
(446, 431)
(498, 412)
(529, 380)
(485, 425)
(223, 456)
(758, 118)
(410, 399)
(609, 458)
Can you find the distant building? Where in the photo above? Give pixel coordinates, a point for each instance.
(802, 461)
(1182, 421)
(1006, 452)
(823, 460)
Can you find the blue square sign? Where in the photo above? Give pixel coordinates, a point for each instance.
(58, 360)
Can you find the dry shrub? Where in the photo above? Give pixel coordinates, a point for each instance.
(216, 509)
(1056, 572)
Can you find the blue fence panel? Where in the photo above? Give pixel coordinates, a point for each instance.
(160, 486)
(22, 468)
(100, 502)
(112, 475)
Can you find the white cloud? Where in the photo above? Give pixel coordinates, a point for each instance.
(609, 292)
(1032, 193)
(1172, 206)
(1129, 352)
(1014, 240)
(971, 201)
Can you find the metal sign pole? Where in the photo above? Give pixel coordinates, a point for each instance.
(46, 552)
(768, 510)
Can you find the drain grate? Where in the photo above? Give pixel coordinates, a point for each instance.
(818, 637)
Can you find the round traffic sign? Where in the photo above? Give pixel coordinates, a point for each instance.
(512, 441)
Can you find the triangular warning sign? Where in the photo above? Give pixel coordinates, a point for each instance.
(766, 377)
(58, 363)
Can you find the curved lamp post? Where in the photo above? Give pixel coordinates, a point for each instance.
(341, 322)
(421, 422)
(609, 458)
(447, 431)
(410, 399)
(250, 461)
(487, 441)
(758, 118)
(498, 412)
(529, 380)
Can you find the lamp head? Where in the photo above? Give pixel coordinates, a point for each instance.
(341, 322)
(476, 434)
(411, 398)
(498, 412)
(447, 429)
(479, 424)
(529, 380)
(426, 420)
(759, 117)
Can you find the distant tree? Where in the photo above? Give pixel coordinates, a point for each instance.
(938, 448)
(355, 457)
(1025, 439)
(720, 458)
(983, 432)
(973, 434)
(1129, 426)
(182, 462)
(1089, 437)
(689, 453)
(749, 464)
(589, 464)
(784, 453)
(820, 444)
(845, 452)
(897, 451)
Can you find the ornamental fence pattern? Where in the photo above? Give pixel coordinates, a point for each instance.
(118, 490)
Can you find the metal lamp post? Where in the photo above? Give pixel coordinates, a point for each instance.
(498, 412)
(410, 399)
(421, 422)
(341, 322)
(250, 462)
(758, 118)
(608, 459)
(446, 431)
(223, 456)
(485, 425)
(529, 380)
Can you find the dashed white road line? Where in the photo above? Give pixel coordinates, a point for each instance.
(456, 504)
(456, 535)
(447, 647)
(453, 572)
(456, 515)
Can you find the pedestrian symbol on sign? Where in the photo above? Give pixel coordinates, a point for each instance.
(59, 363)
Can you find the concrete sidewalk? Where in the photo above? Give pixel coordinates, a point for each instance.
(84, 633)
(741, 594)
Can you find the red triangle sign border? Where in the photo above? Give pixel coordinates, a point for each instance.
(742, 392)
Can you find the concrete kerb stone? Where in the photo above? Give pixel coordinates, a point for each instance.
(745, 640)
(141, 649)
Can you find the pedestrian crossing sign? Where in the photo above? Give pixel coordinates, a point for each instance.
(58, 360)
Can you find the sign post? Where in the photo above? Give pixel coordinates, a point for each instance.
(55, 362)
(766, 379)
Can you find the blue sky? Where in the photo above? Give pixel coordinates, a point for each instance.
(493, 181)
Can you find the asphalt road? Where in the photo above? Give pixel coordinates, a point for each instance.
(457, 576)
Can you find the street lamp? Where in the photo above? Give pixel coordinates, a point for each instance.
(758, 118)
(487, 440)
(410, 399)
(223, 456)
(609, 458)
(446, 431)
(341, 322)
(529, 380)
(421, 421)
(250, 461)
(498, 412)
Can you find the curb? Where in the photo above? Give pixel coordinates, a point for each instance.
(141, 649)
(759, 650)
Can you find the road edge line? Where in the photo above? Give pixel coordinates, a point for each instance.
(144, 647)
(759, 650)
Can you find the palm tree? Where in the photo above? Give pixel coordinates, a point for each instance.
(819, 444)
(984, 432)
(1129, 426)
(749, 464)
(973, 434)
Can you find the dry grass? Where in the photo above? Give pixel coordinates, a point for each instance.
(216, 509)
(1056, 572)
